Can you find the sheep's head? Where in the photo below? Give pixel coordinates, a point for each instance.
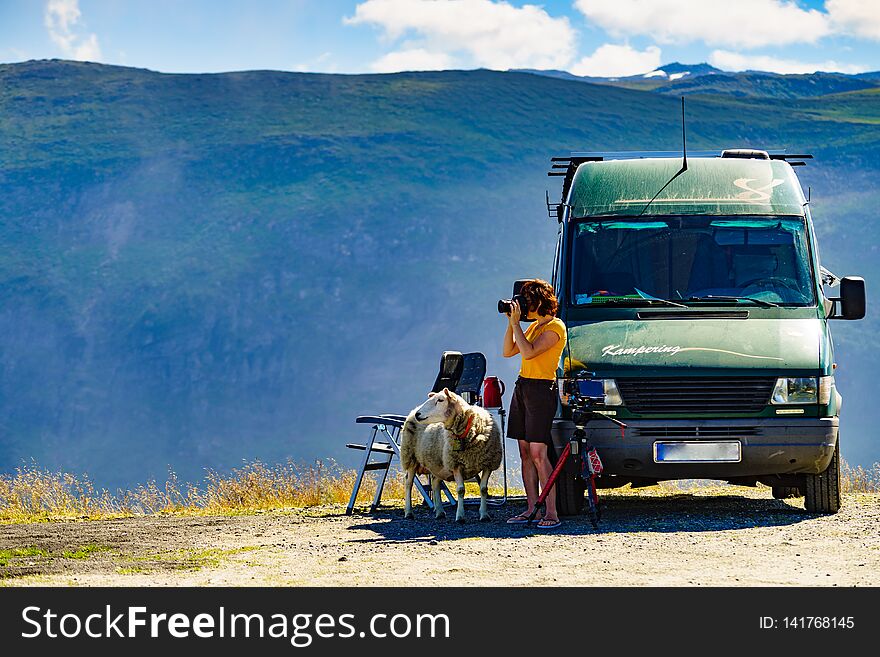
(440, 407)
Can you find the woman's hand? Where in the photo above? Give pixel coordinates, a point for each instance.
(515, 313)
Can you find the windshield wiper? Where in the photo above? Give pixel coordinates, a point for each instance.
(651, 297)
(633, 301)
(713, 297)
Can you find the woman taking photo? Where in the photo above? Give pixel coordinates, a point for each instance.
(534, 396)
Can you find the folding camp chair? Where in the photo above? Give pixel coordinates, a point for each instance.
(462, 373)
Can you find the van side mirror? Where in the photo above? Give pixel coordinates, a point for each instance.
(852, 298)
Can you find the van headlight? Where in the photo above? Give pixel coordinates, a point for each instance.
(591, 388)
(801, 390)
(612, 394)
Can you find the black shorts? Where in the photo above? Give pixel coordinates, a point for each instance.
(532, 410)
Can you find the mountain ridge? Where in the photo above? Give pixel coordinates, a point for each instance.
(683, 79)
(205, 269)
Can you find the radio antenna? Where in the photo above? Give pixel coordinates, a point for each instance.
(684, 161)
(684, 143)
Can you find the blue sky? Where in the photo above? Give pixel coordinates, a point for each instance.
(587, 37)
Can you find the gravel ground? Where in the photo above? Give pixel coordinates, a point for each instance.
(738, 537)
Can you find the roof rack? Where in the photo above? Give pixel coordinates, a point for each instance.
(567, 166)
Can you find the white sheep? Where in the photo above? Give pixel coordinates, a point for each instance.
(450, 439)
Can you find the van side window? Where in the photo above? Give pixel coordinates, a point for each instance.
(555, 280)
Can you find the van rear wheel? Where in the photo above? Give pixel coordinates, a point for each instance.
(822, 491)
(786, 492)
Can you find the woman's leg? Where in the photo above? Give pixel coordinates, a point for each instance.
(529, 474)
(541, 461)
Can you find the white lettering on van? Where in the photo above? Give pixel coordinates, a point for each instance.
(620, 350)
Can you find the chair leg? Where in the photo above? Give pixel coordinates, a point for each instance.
(360, 477)
(380, 484)
(444, 489)
(425, 493)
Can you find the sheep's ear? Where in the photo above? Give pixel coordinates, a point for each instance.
(447, 393)
(431, 394)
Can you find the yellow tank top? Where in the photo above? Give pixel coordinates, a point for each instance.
(544, 366)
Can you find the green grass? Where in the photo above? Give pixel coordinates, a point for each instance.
(84, 551)
(14, 553)
(134, 570)
(7, 556)
(189, 560)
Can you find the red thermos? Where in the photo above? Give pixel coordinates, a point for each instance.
(493, 388)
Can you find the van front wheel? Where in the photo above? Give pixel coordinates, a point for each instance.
(822, 491)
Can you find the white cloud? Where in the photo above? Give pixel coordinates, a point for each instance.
(612, 60)
(732, 23)
(61, 19)
(87, 50)
(413, 59)
(323, 63)
(859, 17)
(734, 61)
(491, 34)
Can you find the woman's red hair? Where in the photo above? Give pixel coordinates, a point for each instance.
(540, 293)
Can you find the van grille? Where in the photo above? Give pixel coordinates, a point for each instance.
(696, 394)
(696, 432)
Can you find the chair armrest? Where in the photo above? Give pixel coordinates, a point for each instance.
(389, 420)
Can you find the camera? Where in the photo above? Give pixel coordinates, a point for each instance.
(583, 393)
(504, 305)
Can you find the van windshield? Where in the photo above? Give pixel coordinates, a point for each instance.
(689, 259)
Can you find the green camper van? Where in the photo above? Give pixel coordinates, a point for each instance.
(693, 291)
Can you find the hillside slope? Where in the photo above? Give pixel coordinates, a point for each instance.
(199, 269)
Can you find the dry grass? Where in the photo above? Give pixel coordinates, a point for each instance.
(33, 494)
(858, 479)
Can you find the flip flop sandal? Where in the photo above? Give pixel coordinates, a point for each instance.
(552, 525)
(521, 519)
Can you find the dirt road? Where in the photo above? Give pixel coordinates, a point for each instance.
(741, 537)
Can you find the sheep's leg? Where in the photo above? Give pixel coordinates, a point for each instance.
(438, 500)
(407, 507)
(484, 494)
(459, 491)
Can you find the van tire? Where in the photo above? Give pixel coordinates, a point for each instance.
(569, 494)
(822, 491)
(786, 492)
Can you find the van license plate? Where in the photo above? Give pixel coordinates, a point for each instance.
(722, 451)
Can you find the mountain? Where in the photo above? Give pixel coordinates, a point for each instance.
(767, 85)
(649, 80)
(201, 269)
(561, 75)
(676, 71)
(687, 79)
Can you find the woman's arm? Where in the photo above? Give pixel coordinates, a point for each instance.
(510, 348)
(528, 349)
(521, 343)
